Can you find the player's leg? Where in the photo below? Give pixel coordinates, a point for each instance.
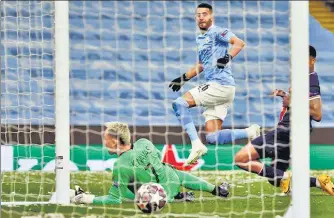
(263, 146)
(216, 135)
(193, 182)
(196, 183)
(323, 182)
(181, 108)
(218, 100)
(172, 186)
(247, 159)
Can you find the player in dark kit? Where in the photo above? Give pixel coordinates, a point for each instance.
(275, 144)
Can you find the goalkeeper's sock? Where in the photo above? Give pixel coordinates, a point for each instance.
(226, 136)
(181, 109)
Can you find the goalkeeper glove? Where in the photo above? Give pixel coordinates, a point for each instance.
(177, 83)
(82, 197)
(222, 62)
(185, 196)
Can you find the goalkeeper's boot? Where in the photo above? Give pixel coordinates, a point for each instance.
(326, 183)
(198, 149)
(285, 184)
(185, 196)
(223, 190)
(253, 131)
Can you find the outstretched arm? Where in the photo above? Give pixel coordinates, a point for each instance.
(194, 71)
(177, 83)
(315, 102)
(114, 197)
(119, 189)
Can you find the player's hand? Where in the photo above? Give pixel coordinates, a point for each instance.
(177, 83)
(278, 92)
(81, 197)
(222, 62)
(185, 196)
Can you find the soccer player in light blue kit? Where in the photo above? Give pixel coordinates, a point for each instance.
(217, 94)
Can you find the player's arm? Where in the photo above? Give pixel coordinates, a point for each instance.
(315, 99)
(316, 109)
(177, 83)
(117, 191)
(227, 36)
(194, 71)
(237, 45)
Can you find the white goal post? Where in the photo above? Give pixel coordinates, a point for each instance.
(62, 104)
(300, 140)
(299, 105)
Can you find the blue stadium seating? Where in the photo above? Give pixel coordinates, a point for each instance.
(124, 54)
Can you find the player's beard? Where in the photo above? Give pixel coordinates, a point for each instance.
(209, 23)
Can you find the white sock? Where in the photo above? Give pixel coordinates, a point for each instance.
(317, 183)
(196, 142)
(285, 175)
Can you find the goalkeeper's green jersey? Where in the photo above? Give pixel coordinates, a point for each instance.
(137, 166)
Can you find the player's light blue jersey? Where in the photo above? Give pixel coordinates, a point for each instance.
(213, 45)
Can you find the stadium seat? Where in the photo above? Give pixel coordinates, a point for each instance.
(130, 58)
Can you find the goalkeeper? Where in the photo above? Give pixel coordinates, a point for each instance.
(138, 164)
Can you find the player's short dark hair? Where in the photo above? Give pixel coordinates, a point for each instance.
(205, 5)
(313, 52)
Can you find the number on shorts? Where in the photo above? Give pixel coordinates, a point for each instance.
(203, 87)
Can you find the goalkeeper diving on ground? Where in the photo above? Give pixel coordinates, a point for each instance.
(217, 94)
(140, 163)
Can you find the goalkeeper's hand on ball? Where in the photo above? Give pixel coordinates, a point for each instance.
(177, 83)
(81, 197)
(222, 62)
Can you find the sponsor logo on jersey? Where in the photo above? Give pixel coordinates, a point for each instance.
(224, 33)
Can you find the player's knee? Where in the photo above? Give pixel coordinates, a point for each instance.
(178, 104)
(240, 158)
(211, 138)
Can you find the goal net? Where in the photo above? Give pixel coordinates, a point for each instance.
(123, 54)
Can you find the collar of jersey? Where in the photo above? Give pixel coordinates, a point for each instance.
(207, 30)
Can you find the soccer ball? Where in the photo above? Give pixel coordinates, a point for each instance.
(151, 197)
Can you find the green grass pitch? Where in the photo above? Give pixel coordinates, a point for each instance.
(251, 196)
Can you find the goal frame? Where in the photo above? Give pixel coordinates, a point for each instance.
(299, 42)
(300, 129)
